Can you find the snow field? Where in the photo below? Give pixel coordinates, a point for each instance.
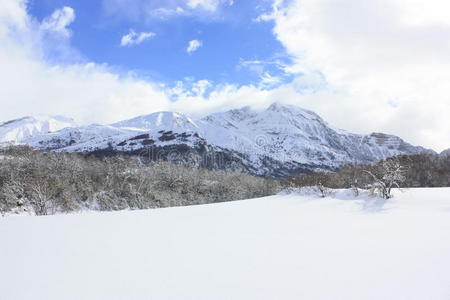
(281, 247)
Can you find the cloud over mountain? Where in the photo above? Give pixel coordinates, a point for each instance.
(364, 61)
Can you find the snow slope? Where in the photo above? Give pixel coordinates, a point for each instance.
(280, 247)
(289, 133)
(84, 138)
(20, 129)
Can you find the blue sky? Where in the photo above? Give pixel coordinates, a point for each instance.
(230, 40)
(364, 66)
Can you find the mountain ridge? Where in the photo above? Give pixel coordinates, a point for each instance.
(279, 141)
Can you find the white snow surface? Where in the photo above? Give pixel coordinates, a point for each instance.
(281, 247)
(20, 129)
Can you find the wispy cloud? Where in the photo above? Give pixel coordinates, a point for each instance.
(268, 81)
(273, 14)
(133, 38)
(144, 10)
(271, 72)
(209, 5)
(193, 46)
(59, 20)
(259, 66)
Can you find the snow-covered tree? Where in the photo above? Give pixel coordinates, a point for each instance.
(391, 174)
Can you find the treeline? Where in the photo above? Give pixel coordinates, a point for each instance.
(49, 183)
(421, 170)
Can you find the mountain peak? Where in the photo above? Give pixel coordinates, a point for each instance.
(19, 129)
(293, 110)
(159, 120)
(276, 106)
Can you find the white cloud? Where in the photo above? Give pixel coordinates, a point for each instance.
(144, 10)
(59, 20)
(351, 63)
(87, 91)
(268, 16)
(189, 88)
(12, 13)
(259, 66)
(193, 46)
(268, 81)
(200, 87)
(133, 38)
(165, 13)
(209, 5)
(423, 12)
(371, 53)
(91, 92)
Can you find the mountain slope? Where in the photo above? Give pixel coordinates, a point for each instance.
(288, 133)
(445, 153)
(20, 129)
(281, 140)
(159, 121)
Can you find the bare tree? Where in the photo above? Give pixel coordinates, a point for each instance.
(391, 175)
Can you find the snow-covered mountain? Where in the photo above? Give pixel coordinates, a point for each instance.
(445, 153)
(278, 141)
(20, 129)
(159, 121)
(289, 133)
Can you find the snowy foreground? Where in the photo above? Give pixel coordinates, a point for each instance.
(280, 247)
